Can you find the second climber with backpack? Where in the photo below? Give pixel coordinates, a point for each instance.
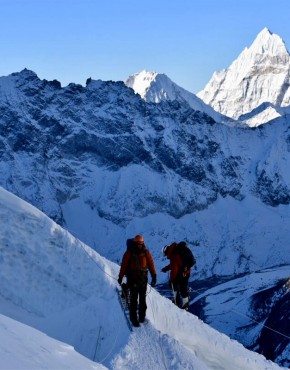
(181, 260)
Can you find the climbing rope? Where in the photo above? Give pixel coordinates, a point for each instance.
(112, 347)
(94, 358)
(95, 262)
(100, 268)
(190, 289)
(257, 322)
(249, 317)
(114, 278)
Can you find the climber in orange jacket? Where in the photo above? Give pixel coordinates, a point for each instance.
(136, 262)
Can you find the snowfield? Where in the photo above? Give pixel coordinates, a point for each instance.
(59, 309)
(27, 348)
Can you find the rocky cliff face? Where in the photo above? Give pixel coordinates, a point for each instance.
(261, 74)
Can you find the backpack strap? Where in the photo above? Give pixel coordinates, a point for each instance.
(135, 258)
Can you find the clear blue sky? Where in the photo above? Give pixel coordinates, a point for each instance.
(71, 40)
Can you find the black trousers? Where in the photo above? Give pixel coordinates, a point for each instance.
(180, 284)
(138, 292)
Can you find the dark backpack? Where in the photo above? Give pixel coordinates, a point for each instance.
(187, 258)
(130, 243)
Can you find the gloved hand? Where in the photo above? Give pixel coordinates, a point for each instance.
(120, 280)
(164, 269)
(153, 281)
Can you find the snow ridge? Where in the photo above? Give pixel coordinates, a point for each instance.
(52, 283)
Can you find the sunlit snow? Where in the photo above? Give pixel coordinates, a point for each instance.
(59, 309)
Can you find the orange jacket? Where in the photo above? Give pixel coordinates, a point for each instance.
(175, 265)
(136, 263)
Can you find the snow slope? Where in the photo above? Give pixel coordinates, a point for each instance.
(23, 347)
(58, 297)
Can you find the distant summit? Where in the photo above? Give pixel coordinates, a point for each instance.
(259, 75)
(141, 83)
(268, 43)
(154, 87)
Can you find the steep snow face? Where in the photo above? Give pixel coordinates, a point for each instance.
(52, 282)
(261, 74)
(155, 87)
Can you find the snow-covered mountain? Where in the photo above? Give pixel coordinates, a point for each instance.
(105, 164)
(102, 153)
(59, 309)
(260, 75)
(154, 87)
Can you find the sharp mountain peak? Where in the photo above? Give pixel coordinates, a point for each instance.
(268, 42)
(265, 63)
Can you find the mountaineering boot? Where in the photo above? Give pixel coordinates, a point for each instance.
(134, 320)
(185, 303)
(135, 323)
